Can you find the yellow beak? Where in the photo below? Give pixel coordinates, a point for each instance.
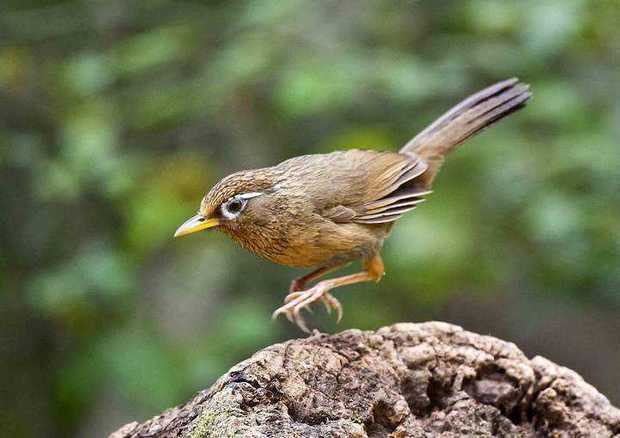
(195, 224)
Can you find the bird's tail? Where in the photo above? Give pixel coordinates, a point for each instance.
(465, 120)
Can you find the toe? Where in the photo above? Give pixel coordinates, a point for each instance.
(327, 304)
(299, 320)
(338, 308)
(292, 296)
(334, 304)
(276, 313)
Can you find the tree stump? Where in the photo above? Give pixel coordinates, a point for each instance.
(407, 380)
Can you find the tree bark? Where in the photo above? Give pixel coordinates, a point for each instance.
(407, 380)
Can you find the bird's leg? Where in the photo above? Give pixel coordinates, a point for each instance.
(299, 284)
(374, 271)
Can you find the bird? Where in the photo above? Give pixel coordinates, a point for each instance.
(324, 211)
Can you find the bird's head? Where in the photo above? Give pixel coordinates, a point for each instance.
(236, 202)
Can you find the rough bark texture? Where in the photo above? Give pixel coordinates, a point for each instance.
(406, 380)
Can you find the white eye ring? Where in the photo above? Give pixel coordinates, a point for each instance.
(249, 195)
(233, 207)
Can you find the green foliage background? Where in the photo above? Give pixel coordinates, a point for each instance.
(117, 116)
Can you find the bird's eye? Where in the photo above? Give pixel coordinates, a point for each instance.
(233, 207)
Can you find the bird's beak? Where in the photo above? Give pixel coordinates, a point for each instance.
(195, 224)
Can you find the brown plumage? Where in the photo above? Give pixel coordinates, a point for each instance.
(326, 210)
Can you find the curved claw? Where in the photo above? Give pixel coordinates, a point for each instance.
(339, 313)
(299, 320)
(281, 310)
(295, 302)
(289, 316)
(326, 304)
(332, 303)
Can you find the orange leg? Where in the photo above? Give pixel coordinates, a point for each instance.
(296, 301)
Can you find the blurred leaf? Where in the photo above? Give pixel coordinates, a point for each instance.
(88, 73)
(97, 272)
(150, 49)
(169, 193)
(143, 369)
(551, 23)
(553, 217)
(492, 16)
(359, 138)
(309, 87)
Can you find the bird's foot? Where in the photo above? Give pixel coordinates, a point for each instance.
(296, 301)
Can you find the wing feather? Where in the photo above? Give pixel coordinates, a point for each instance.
(410, 197)
(387, 187)
(386, 213)
(380, 220)
(397, 196)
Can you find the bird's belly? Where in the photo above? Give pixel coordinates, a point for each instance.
(310, 256)
(334, 244)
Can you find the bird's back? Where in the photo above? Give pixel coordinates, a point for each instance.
(348, 178)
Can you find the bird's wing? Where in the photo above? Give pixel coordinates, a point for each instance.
(340, 214)
(394, 195)
(389, 189)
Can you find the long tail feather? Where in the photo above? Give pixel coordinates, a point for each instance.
(465, 120)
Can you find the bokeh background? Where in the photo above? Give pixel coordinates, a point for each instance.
(116, 116)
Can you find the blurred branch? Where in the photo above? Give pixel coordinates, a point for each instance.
(403, 380)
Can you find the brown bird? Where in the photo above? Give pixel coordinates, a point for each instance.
(327, 210)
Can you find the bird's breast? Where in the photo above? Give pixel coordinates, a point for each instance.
(314, 243)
